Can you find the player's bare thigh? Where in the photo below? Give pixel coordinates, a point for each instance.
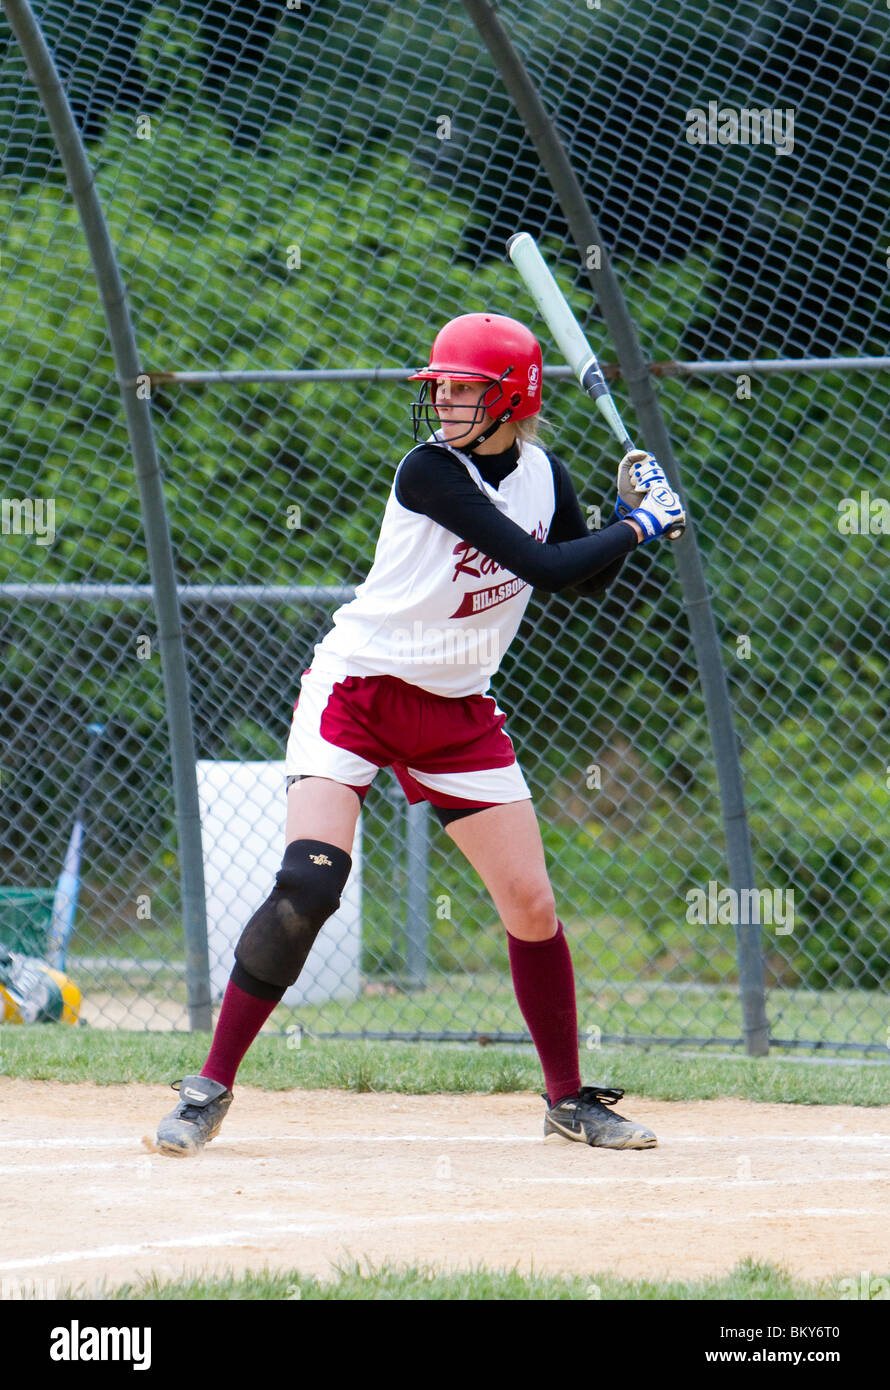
(319, 809)
(503, 844)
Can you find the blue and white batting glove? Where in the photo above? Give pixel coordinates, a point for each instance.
(630, 493)
(661, 510)
(648, 473)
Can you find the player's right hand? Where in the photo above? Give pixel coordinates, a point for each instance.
(661, 510)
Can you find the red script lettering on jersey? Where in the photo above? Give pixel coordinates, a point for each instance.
(468, 556)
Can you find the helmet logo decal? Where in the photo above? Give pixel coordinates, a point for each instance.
(534, 377)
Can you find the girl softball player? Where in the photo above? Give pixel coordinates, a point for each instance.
(478, 515)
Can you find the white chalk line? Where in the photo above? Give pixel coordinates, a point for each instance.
(246, 1237)
(749, 1140)
(721, 1181)
(134, 1168)
(20, 1169)
(90, 1143)
(72, 1142)
(363, 1225)
(881, 1140)
(137, 1165)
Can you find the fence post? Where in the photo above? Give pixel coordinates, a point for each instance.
(703, 629)
(157, 536)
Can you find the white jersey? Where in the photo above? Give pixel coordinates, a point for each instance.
(433, 611)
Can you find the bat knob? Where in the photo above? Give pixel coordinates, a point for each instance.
(517, 236)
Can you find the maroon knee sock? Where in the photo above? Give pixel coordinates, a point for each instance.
(240, 1019)
(545, 989)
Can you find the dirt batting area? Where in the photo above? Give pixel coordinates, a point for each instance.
(309, 1179)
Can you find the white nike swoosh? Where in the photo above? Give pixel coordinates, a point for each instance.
(572, 1133)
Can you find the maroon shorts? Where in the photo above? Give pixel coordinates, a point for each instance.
(454, 753)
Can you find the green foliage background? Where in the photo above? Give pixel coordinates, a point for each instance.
(328, 240)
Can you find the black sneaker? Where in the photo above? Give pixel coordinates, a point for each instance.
(197, 1118)
(584, 1117)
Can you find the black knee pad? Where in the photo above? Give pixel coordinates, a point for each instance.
(276, 941)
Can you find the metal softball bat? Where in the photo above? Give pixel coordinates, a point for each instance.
(569, 337)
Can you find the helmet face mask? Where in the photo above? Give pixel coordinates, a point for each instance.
(480, 348)
(490, 404)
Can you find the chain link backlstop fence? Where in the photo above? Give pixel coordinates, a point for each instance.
(310, 190)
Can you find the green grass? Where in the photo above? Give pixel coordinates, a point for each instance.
(747, 1280)
(484, 1001)
(275, 1063)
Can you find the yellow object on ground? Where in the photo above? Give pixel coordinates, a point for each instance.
(33, 992)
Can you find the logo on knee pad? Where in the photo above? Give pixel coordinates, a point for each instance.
(321, 859)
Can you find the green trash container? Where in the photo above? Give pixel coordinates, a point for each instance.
(25, 919)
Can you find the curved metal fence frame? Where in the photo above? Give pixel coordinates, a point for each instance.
(167, 596)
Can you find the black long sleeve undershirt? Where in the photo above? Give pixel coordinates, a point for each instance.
(432, 481)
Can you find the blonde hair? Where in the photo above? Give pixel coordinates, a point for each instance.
(527, 431)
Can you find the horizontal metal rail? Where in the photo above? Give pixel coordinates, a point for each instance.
(758, 366)
(484, 1039)
(222, 594)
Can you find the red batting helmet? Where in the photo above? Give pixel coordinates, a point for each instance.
(484, 347)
